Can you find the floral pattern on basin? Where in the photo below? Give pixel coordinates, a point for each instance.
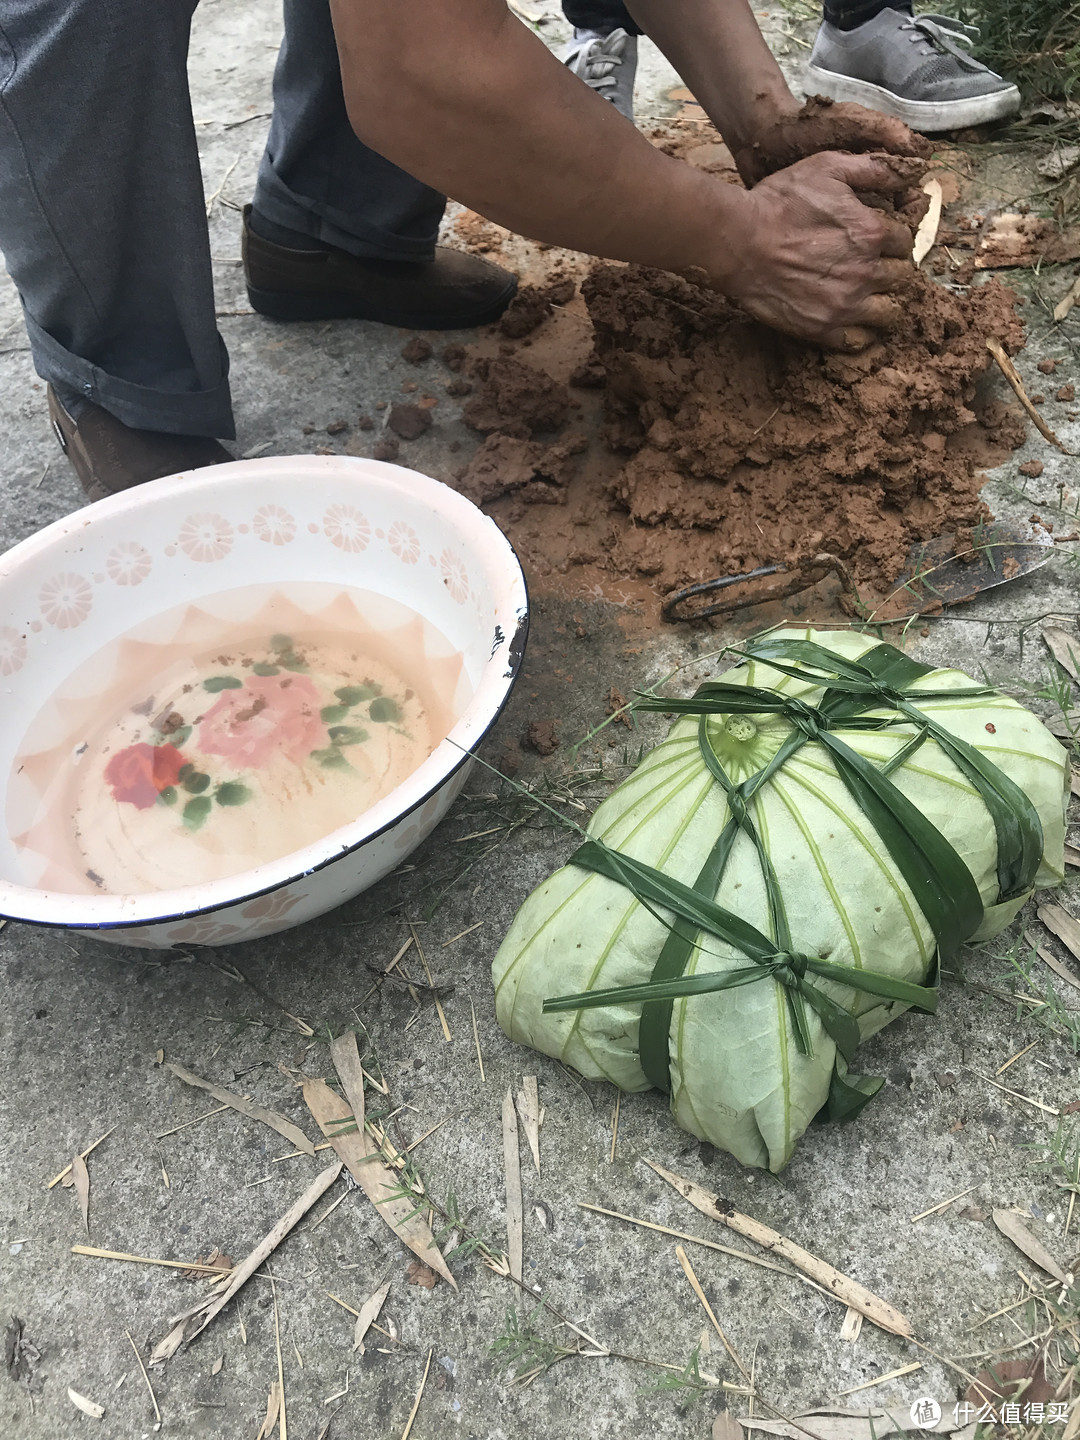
(226, 745)
(404, 542)
(183, 774)
(274, 525)
(347, 528)
(12, 651)
(128, 563)
(455, 576)
(206, 538)
(66, 600)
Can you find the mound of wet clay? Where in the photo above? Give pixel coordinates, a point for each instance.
(780, 450)
(739, 447)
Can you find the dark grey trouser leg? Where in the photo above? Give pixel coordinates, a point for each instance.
(102, 216)
(600, 15)
(316, 177)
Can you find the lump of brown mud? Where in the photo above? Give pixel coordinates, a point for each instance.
(504, 465)
(531, 306)
(515, 399)
(417, 351)
(542, 737)
(409, 421)
(747, 448)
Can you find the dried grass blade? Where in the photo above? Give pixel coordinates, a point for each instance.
(514, 1207)
(146, 1377)
(204, 1312)
(369, 1313)
(81, 1177)
(243, 1106)
(419, 1396)
(1012, 375)
(85, 1153)
(1053, 963)
(377, 1180)
(884, 1315)
(881, 1379)
(706, 1244)
(1060, 923)
(1067, 301)
(97, 1254)
(282, 1416)
(695, 1285)
(1072, 856)
(1015, 1230)
(431, 986)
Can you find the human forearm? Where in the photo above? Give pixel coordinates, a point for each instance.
(718, 49)
(481, 110)
(465, 97)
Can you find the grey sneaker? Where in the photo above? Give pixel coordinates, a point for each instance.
(607, 64)
(916, 68)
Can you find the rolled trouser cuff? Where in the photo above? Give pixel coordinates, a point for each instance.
(345, 230)
(205, 412)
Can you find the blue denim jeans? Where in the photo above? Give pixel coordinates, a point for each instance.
(102, 215)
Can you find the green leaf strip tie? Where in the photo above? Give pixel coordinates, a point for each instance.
(935, 873)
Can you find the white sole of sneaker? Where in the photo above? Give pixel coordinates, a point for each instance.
(922, 115)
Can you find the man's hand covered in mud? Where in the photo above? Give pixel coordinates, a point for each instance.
(815, 261)
(788, 134)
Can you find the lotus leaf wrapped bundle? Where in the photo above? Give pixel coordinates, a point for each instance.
(779, 879)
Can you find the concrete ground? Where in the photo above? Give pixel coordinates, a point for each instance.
(84, 1025)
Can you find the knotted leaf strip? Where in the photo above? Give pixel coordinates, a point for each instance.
(873, 693)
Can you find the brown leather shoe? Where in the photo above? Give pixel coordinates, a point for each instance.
(455, 291)
(109, 456)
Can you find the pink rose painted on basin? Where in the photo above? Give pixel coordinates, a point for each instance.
(139, 773)
(266, 716)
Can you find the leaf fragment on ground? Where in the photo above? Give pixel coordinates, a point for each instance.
(1013, 1228)
(369, 1313)
(1060, 923)
(1067, 301)
(80, 1178)
(528, 1104)
(377, 1180)
(420, 1274)
(273, 1408)
(926, 234)
(193, 1321)
(726, 1427)
(88, 1407)
(1065, 649)
(243, 1106)
(884, 1315)
(514, 1207)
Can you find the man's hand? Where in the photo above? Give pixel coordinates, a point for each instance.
(815, 262)
(783, 136)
